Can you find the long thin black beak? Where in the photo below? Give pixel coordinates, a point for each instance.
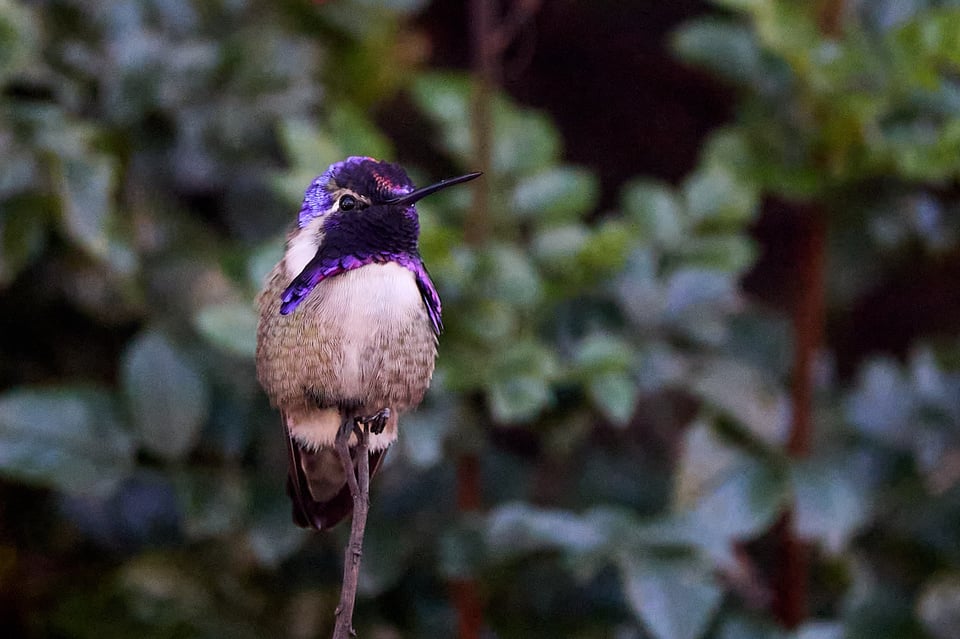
(419, 194)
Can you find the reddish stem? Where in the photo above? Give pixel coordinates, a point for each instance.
(790, 601)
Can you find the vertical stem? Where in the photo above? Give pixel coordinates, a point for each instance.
(476, 231)
(358, 481)
(482, 24)
(809, 317)
(465, 595)
(790, 602)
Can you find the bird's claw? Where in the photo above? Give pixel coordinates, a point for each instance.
(377, 422)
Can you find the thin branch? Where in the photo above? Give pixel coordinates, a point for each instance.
(790, 603)
(358, 480)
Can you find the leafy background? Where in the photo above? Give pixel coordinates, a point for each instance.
(613, 445)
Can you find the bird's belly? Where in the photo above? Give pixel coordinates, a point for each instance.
(362, 338)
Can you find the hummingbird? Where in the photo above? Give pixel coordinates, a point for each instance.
(349, 322)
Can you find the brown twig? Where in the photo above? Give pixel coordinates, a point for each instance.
(790, 601)
(358, 480)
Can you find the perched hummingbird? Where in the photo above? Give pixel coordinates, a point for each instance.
(349, 321)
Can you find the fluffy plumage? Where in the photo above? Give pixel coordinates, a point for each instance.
(348, 325)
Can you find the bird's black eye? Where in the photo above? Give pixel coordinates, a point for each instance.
(348, 203)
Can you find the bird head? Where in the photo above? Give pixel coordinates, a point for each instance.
(358, 211)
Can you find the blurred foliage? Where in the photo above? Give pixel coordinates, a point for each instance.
(627, 403)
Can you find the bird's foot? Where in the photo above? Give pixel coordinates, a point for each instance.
(377, 422)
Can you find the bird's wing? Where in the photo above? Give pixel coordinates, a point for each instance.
(428, 292)
(321, 267)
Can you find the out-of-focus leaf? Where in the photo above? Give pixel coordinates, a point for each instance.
(272, 536)
(426, 429)
(606, 250)
(67, 438)
(524, 142)
(18, 34)
(560, 194)
(728, 493)
(600, 353)
(716, 197)
(511, 276)
(212, 504)
(604, 362)
(939, 606)
(727, 48)
(830, 505)
(615, 394)
(554, 246)
(86, 193)
(310, 151)
(351, 130)
(518, 528)
(166, 395)
(693, 290)
(231, 326)
(819, 630)
(446, 98)
(747, 395)
(882, 403)
(656, 211)
(520, 385)
(263, 259)
(729, 253)
(738, 626)
(519, 398)
(675, 598)
(639, 289)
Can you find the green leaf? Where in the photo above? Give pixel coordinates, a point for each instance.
(350, 129)
(425, 430)
(730, 494)
(675, 599)
(519, 398)
(601, 353)
(553, 246)
(729, 253)
(85, 186)
(654, 208)
(883, 404)
(446, 98)
(820, 630)
(524, 141)
(516, 529)
(616, 395)
(509, 275)
(166, 395)
(18, 35)
(263, 259)
(716, 197)
(66, 438)
(604, 362)
(606, 250)
(746, 394)
(830, 504)
(694, 291)
(727, 48)
(558, 194)
(309, 151)
(520, 387)
(231, 326)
